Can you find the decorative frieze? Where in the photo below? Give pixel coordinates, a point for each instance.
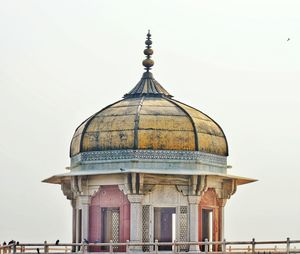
(149, 154)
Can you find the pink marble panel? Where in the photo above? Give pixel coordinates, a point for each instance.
(109, 196)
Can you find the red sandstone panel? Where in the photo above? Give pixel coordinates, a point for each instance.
(209, 201)
(216, 224)
(94, 231)
(126, 222)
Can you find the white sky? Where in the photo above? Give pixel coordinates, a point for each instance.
(61, 61)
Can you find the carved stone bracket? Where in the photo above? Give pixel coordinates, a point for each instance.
(124, 188)
(202, 187)
(66, 189)
(93, 190)
(228, 189)
(183, 189)
(194, 185)
(73, 203)
(74, 186)
(82, 184)
(79, 185)
(148, 188)
(136, 183)
(198, 185)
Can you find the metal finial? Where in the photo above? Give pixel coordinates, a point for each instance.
(148, 62)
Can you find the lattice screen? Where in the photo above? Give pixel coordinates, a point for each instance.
(183, 225)
(115, 217)
(146, 226)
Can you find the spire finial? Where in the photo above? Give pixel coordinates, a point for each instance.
(148, 62)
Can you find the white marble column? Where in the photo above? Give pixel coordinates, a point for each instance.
(135, 217)
(193, 218)
(83, 203)
(222, 203)
(78, 237)
(73, 204)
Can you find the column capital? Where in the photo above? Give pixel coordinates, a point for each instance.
(135, 198)
(194, 199)
(84, 200)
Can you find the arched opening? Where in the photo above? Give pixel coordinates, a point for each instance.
(209, 219)
(109, 217)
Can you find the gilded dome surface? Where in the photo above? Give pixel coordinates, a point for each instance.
(149, 122)
(149, 119)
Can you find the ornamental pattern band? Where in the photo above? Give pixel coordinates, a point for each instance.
(149, 155)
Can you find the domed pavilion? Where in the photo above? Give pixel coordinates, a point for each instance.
(147, 168)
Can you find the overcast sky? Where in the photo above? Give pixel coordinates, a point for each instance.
(61, 61)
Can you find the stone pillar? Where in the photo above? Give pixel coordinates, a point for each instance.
(73, 203)
(78, 221)
(222, 202)
(135, 217)
(194, 221)
(84, 202)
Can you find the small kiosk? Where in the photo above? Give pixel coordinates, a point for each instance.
(147, 168)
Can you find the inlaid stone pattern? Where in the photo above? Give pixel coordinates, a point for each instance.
(183, 224)
(149, 154)
(146, 226)
(116, 227)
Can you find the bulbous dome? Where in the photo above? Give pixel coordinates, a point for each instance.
(149, 119)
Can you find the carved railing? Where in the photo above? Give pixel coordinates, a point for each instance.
(236, 247)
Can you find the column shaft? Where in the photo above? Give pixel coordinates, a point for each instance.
(194, 220)
(84, 202)
(135, 217)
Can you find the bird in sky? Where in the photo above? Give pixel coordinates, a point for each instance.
(57, 242)
(288, 39)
